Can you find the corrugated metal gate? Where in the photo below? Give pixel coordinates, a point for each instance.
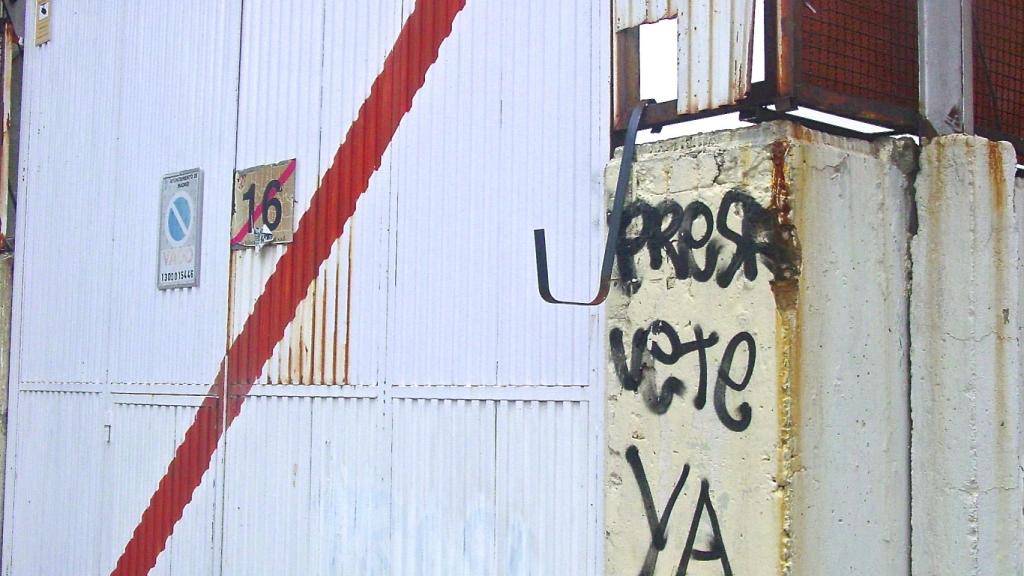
(425, 412)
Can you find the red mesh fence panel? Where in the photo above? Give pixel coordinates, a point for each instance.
(999, 67)
(865, 48)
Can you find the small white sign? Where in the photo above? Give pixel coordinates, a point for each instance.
(181, 210)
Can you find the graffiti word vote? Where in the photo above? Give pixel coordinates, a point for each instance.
(636, 373)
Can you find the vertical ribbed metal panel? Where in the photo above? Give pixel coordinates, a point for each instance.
(438, 257)
(179, 113)
(350, 496)
(358, 37)
(303, 488)
(144, 432)
(57, 497)
(485, 487)
(630, 13)
(443, 470)
(715, 53)
(267, 503)
(279, 119)
(545, 494)
(508, 134)
(432, 283)
(69, 177)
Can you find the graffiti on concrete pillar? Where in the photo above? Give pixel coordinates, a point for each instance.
(680, 349)
(667, 233)
(631, 371)
(659, 524)
(636, 372)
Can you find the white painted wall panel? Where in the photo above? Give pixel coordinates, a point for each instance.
(443, 471)
(179, 113)
(58, 496)
(266, 515)
(358, 38)
(305, 486)
(545, 491)
(442, 290)
(70, 178)
(473, 178)
(145, 430)
(350, 489)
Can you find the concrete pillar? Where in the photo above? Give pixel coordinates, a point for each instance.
(965, 392)
(757, 342)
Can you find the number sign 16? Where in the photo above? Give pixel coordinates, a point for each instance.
(262, 205)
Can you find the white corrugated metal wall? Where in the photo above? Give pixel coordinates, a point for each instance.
(426, 412)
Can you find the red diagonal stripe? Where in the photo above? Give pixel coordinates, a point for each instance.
(357, 159)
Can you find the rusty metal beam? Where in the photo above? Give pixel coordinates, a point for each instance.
(626, 66)
(783, 31)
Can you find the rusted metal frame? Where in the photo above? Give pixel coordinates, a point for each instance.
(794, 91)
(8, 202)
(946, 66)
(785, 41)
(626, 68)
(857, 108)
(661, 114)
(765, 115)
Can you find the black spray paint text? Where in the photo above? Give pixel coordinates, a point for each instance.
(636, 371)
(658, 525)
(675, 233)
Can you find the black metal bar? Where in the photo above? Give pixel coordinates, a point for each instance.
(766, 115)
(614, 225)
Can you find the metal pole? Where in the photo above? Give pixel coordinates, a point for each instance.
(946, 56)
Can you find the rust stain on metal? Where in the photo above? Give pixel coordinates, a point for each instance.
(786, 56)
(231, 303)
(323, 336)
(348, 302)
(307, 356)
(334, 356)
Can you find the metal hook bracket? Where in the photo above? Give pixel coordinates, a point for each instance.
(614, 223)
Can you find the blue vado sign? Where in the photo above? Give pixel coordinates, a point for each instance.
(181, 200)
(179, 218)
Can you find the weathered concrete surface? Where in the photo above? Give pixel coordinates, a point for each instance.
(804, 443)
(965, 323)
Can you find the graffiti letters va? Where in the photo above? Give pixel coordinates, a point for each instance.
(658, 525)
